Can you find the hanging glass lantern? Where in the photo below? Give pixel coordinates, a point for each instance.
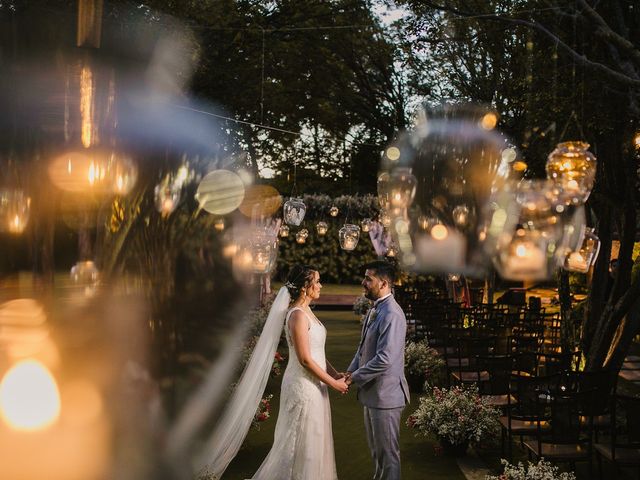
(284, 230)
(15, 209)
(167, 197)
(453, 277)
(456, 159)
(264, 252)
(333, 211)
(585, 257)
(365, 224)
(219, 224)
(401, 188)
(322, 228)
(349, 235)
(385, 219)
(123, 173)
(301, 236)
(573, 168)
(294, 210)
(384, 193)
(86, 276)
(531, 252)
(461, 216)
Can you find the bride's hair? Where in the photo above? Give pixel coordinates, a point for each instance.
(300, 276)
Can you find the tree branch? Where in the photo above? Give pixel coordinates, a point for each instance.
(581, 59)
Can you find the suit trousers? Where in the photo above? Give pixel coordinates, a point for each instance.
(382, 426)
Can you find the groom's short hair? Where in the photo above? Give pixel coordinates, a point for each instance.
(383, 270)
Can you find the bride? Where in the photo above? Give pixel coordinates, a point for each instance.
(303, 441)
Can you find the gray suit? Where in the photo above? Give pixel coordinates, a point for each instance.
(378, 372)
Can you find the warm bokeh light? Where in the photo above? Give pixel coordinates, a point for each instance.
(260, 201)
(220, 192)
(29, 397)
(439, 232)
(489, 121)
(636, 140)
(519, 166)
(393, 153)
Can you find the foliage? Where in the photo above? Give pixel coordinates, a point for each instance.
(362, 305)
(423, 361)
(543, 470)
(457, 415)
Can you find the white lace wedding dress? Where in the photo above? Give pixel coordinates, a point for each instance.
(303, 440)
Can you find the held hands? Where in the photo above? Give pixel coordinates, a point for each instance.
(341, 385)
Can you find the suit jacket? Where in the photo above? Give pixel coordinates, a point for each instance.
(378, 366)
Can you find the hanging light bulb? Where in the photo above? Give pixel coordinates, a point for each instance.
(284, 230)
(573, 168)
(333, 211)
(293, 211)
(322, 228)
(349, 235)
(401, 187)
(365, 224)
(585, 257)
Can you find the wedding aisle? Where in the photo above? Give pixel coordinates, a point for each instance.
(419, 460)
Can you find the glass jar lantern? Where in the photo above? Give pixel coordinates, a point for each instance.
(456, 158)
(349, 235)
(401, 188)
(284, 231)
(333, 211)
(166, 198)
(301, 236)
(321, 228)
(585, 257)
(365, 224)
(294, 210)
(264, 252)
(573, 167)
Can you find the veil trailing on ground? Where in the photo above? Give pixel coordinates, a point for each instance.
(233, 425)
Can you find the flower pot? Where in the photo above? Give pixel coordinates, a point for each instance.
(454, 449)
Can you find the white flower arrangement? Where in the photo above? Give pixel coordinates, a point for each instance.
(421, 360)
(457, 415)
(542, 470)
(362, 305)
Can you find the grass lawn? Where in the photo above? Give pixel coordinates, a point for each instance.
(352, 454)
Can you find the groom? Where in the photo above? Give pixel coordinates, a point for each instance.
(378, 370)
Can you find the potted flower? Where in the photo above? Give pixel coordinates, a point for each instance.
(422, 363)
(542, 470)
(456, 416)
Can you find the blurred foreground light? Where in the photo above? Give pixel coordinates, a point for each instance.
(15, 208)
(94, 170)
(220, 192)
(85, 274)
(260, 201)
(29, 397)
